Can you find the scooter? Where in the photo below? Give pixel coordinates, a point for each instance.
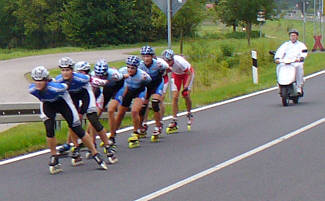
(286, 77)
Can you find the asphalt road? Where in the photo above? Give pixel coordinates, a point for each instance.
(14, 86)
(292, 170)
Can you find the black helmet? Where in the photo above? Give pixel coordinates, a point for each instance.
(294, 31)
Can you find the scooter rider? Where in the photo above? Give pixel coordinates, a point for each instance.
(294, 49)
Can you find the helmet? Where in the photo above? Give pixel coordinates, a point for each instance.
(65, 62)
(294, 31)
(82, 66)
(168, 54)
(147, 50)
(101, 67)
(133, 61)
(40, 73)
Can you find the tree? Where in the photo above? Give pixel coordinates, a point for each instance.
(226, 15)
(11, 29)
(245, 11)
(99, 22)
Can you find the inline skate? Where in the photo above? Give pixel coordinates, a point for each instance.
(172, 127)
(156, 134)
(65, 149)
(54, 165)
(134, 140)
(189, 121)
(97, 157)
(76, 158)
(143, 131)
(110, 150)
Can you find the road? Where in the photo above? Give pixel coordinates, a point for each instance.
(291, 169)
(14, 85)
(13, 70)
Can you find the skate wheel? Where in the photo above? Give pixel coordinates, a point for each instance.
(154, 139)
(101, 144)
(76, 162)
(55, 169)
(88, 155)
(189, 127)
(103, 165)
(112, 159)
(133, 145)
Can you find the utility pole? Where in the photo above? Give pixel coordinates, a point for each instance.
(169, 21)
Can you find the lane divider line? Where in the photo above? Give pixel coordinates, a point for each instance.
(230, 161)
(34, 154)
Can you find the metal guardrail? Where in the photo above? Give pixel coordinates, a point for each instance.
(26, 112)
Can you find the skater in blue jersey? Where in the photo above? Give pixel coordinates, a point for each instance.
(81, 92)
(134, 89)
(154, 89)
(55, 99)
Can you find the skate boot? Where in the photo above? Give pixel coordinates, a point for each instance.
(88, 152)
(134, 140)
(64, 150)
(156, 134)
(143, 131)
(76, 158)
(190, 121)
(110, 150)
(54, 165)
(172, 127)
(97, 157)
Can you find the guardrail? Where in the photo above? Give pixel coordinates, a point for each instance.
(27, 112)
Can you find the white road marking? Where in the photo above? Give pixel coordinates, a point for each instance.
(230, 161)
(12, 160)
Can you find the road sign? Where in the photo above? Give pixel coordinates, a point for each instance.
(175, 5)
(261, 16)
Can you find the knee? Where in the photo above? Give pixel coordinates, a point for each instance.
(78, 131)
(93, 118)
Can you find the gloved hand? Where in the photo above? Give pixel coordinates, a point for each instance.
(185, 91)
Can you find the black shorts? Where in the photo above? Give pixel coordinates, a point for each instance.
(65, 107)
(84, 100)
(110, 91)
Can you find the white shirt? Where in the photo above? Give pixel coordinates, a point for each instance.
(180, 65)
(290, 50)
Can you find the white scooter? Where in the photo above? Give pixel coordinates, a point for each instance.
(286, 77)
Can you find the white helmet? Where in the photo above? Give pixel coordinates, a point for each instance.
(40, 73)
(65, 62)
(168, 54)
(82, 66)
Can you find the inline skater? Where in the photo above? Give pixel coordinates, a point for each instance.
(112, 94)
(182, 74)
(55, 99)
(154, 89)
(81, 92)
(134, 89)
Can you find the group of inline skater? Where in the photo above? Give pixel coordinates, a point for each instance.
(78, 91)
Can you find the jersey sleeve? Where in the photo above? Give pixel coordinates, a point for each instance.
(280, 51)
(116, 75)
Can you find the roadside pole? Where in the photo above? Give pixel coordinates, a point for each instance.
(254, 67)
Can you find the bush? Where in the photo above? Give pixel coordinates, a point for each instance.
(242, 35)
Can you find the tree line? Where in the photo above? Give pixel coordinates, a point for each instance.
(92, 23)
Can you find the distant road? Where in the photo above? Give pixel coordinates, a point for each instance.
(14, 86)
